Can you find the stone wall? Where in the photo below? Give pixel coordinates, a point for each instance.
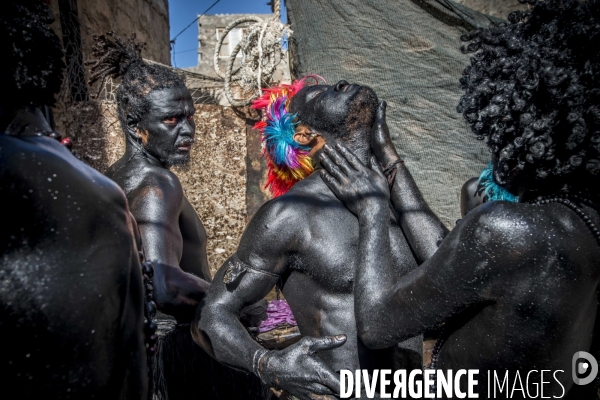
(149, 19)
(214, 181)
(495, 8)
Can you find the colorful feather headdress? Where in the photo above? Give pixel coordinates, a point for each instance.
(288, 161)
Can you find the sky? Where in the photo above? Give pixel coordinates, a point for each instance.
(182, 12)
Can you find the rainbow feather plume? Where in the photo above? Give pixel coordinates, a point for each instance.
(288, 162)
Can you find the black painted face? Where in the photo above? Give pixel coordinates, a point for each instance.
(340, 110)
(170, 126)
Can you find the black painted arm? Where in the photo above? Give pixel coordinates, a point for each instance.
(390, 308)
(262, 257)
(157, 211)
(422, 227)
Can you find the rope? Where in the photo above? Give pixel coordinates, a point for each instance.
(261, 53)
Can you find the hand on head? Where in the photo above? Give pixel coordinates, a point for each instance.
(381, 142)
(356, 185)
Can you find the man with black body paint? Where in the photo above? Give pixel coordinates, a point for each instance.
(173, 235)
(305, 240)
(156, 112)
(71, 295)
(515, 284)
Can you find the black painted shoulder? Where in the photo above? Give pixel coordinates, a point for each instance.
(160, 178)
(519, 224)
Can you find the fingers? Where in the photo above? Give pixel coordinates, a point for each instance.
(325, 343)
(330, 380)
(317, 396)
(376, 167)
(331, 182)
(319, 389)
(338, 159)
(381, 110)
(348, 155)
(332, 168)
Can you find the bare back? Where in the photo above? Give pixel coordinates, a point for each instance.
(70, 280)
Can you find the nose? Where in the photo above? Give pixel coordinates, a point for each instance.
(340, 85)
(188, 128)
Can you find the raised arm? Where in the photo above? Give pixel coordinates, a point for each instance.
(156, 207)
(390, 309)
(423, 229)
(245, 278)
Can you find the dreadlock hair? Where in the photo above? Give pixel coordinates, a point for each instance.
(32, 54)
(533, 89)
(122, 58)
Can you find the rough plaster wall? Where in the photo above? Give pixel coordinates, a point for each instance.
(149, 19)
(495, 8)
(214, 181)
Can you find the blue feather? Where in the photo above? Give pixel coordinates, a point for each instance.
(492, 190)
(279, 138)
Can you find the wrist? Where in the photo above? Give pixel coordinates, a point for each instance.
(386, 155)
(260, 365)
(373, 209)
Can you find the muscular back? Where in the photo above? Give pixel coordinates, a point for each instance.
(71, 295)
(516, 284)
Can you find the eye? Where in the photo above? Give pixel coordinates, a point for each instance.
(190, 117)
(170, 120)
(314, 94)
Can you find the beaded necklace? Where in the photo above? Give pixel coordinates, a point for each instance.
(150, 325)
(67, 142)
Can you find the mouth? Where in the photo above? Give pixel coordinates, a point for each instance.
(185, 147)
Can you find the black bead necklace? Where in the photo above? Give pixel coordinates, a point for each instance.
(436, 348)
(563, 199)
(150, 325)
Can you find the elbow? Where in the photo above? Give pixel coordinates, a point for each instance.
(207, 318)
(371, 328)
(374, 328)
(373, 336)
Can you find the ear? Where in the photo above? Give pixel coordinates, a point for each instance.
(303, 138)
(133, 126)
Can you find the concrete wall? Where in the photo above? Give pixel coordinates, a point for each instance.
(208, 25)
(495, 8)
(207, 39)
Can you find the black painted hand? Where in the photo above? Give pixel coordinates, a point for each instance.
(381, 142)
(356, 185)
(296, 369)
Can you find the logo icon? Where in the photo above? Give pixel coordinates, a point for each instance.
(584, 364)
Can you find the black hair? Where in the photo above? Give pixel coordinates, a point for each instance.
(122, 58)
(32, 54)
(533, 89)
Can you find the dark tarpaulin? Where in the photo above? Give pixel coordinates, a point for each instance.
(408, 51)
